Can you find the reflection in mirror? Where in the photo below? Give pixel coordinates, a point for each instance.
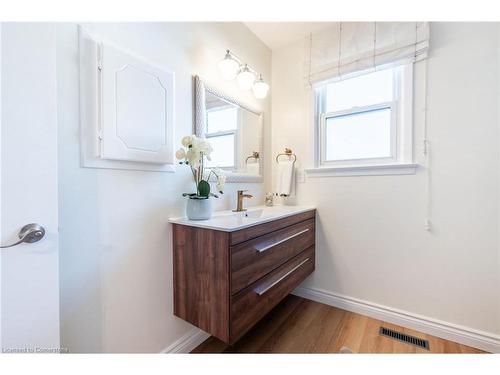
(235, 132)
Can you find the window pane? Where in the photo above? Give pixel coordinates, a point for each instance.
(223, 153)
(359, 136)
(360, 91)
(222, 119)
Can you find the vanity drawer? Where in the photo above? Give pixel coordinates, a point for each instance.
(252, 303)
(255, 258)
(246, 234)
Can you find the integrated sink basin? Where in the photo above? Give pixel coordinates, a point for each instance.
(252, 213)
(229, 221)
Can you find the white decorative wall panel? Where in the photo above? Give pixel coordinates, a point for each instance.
(130, 84)
(127, 109)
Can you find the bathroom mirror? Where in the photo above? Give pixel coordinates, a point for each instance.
(235, 131)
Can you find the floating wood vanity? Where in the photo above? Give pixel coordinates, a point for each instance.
(231, 270)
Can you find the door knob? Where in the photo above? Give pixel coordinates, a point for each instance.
(29, 233)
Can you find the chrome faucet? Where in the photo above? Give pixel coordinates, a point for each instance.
(240, 196)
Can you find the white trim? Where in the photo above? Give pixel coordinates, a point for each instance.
(201, 87)
(401, 122)
(363, 170)
(324, 117)
(1, 193)
(404, 93)
(318, 107)
(464, 335)
(187, 342)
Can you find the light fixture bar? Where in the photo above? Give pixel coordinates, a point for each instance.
(240, 61)
(233, 67)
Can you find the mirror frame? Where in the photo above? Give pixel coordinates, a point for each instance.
(199, 125)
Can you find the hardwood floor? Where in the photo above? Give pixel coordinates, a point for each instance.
(298, 325)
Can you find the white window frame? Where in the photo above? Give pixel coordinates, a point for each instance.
(353, 111)
(234, 132)
(401, 159)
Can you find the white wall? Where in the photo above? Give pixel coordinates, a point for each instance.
(371, 242)
(498, 170)
(116, 253)
(1, 237)
(30, 283)
(498, 122)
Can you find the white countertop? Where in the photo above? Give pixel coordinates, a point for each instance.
(229, 221)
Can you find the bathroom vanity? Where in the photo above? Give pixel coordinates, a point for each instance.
(231, 270)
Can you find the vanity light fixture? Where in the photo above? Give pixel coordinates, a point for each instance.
(260, 88)
(245, 78)
(231, 67)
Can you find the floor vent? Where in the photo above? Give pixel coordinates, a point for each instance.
(412, 340)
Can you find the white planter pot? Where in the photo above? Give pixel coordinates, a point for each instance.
(199, 209)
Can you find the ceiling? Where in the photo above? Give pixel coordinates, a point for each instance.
(279, 34)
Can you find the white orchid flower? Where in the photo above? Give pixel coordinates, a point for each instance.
(202, 145)
(196, 142)
(193, 157)
(187, 140)
(180, 154)
(195, 151)
(221, 182)
(221, 178)
(206, 147)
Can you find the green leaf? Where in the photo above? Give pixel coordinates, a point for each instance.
(204, 188)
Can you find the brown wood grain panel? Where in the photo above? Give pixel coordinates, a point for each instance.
(248, 264)
(203, 274)
(262, 229)
(202, 278)
(248, 307)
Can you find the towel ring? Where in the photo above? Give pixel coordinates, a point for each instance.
(255, 155)
(288, 152)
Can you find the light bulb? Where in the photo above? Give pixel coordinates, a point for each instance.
(228, 67)
(245, 78)
(260, 88)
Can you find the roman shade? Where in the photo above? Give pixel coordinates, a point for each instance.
(345, 48)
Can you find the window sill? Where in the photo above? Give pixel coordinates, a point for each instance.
(363, 170)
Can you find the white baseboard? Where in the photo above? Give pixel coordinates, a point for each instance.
(467, 336)
(187, 342)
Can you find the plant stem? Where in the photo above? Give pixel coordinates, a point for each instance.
(194, 177)
(202, 164)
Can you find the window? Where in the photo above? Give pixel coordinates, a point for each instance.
(222, 127)
(365, 120)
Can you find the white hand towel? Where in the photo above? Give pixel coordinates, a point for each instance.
(253, 168)
(285, 178)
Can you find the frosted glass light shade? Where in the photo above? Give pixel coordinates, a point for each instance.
(228, 67)
(245, 78)
(260, 88)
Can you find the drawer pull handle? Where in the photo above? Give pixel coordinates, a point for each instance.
(261, 250)
(262, 291)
